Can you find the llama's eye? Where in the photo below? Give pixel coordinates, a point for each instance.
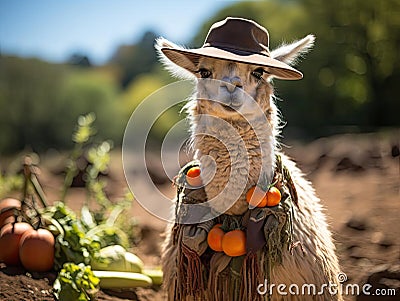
(258, 73)
(204, 73)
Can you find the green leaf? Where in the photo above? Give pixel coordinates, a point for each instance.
(108, 235)
(87, 218)
(116, 211)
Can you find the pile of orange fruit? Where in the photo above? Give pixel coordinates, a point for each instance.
(257, 197)
(232, 243)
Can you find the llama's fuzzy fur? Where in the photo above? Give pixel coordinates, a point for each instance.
(315, 262)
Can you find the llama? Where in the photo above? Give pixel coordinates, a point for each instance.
(234, 130)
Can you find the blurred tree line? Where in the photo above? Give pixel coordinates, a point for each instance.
(40, 103)
(351, 78)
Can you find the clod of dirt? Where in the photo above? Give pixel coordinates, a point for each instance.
(123, 294)
(351, 247)
(386, 243)
(349, 164)
(356, 253)
(384, 277)
(356, 223)
(395, 151)
(380, 239)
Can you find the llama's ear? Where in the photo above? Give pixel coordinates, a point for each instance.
(290, 53)
(185, 69)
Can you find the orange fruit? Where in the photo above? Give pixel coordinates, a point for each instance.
(234, 243)
(10, 237)
(256, 197)
(214, 238)
(193, 176)
(273, 196)
(36, 250)
(7, 208)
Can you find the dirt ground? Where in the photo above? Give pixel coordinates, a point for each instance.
(356, 176)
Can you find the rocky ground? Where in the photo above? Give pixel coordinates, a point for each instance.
(356, 176)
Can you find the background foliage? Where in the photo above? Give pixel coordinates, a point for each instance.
(351, 77)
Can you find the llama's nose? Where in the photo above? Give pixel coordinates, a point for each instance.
(230, 83)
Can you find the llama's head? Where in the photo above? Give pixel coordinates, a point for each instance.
(234, 68)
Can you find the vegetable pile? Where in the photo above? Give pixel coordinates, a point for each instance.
(89, 250)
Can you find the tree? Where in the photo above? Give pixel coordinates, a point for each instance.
(352, 75)
(136, 59)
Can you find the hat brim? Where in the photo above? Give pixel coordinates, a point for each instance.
(277, 68)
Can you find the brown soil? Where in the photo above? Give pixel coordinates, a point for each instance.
(356, 176)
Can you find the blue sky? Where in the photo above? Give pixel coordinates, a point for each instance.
(55, 29)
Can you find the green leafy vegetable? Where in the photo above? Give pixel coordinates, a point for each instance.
(72, 243)
(75, 282)
(78, 239)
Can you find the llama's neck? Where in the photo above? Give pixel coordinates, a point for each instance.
(236, 154)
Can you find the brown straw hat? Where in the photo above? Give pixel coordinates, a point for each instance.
(238, 40)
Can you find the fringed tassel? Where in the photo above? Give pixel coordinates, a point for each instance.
(267, 271)
(223, 282)
(219, 276)
(181, 283)
(235, 287)
(191, 274)
(251, 278)
(235, 278)
(219, 287)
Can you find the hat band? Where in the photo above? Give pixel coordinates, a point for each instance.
(237, 49)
